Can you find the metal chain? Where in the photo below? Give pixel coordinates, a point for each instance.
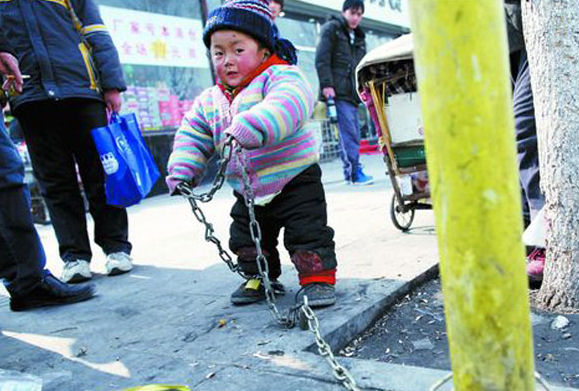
(340, 373)
(187, 191)
(325, 350)
(289, 319)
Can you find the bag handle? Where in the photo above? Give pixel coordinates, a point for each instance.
(115, 118)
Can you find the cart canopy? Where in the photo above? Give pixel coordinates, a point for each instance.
(398, 49)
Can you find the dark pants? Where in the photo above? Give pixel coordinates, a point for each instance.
(22, 257)
(301, 210)
(349, 129)
(58, 136)
(526, 133)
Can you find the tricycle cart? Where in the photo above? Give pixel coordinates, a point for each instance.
(386, 83)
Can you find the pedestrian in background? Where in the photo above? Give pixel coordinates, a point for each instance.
(264, 103)
(533, 198)
(22, 258)
(341, 47)
(75, 76)
(276, 8)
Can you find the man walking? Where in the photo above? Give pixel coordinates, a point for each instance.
(75, 75)
(22, 258)
(342, 45)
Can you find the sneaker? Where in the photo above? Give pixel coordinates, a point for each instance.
(51, 291)
(361, 179)
(535, 267)
(76, 271)
(118, 263)
(253, 291)
(320, 294)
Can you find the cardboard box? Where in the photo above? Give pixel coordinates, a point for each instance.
(404, 118)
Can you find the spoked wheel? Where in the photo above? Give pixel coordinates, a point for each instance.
(401, 220)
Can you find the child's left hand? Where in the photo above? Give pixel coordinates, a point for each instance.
(246, 140)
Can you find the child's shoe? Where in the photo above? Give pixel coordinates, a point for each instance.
(535, 267)
(253, 291)
(320, 294)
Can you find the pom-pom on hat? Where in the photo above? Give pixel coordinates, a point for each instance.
(252, 17)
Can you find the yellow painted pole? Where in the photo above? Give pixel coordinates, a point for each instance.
(462, 67)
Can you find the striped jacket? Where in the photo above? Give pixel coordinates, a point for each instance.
(50, 49)
(268, 117)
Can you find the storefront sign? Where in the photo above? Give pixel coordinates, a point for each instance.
(144, 38)
(393, 12)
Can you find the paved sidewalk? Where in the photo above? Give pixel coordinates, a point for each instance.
(170, 320)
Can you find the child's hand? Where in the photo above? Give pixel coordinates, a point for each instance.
(246, 140)
(174, 183)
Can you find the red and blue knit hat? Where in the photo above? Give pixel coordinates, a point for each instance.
(252, 17)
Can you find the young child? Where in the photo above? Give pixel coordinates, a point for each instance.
(264, 103)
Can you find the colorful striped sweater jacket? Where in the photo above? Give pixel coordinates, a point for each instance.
(268, 118)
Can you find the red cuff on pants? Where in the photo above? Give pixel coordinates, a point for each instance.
(326, 276)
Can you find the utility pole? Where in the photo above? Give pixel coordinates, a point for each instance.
(462, 64)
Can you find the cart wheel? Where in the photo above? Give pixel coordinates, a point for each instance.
(402, 221)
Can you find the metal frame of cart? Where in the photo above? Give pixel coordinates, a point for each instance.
(383, 73)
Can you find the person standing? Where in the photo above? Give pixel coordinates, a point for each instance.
(75, 76)
(533, 198)
(22, 258)
(341, 47)
(276, 8)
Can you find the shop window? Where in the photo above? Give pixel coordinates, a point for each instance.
(164, 60)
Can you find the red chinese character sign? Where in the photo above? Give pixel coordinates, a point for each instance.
(144, 38)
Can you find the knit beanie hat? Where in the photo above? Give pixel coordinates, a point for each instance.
(252, 17)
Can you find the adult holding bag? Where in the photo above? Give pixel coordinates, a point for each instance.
(75, 77)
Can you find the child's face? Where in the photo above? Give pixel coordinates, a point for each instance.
(235, 55)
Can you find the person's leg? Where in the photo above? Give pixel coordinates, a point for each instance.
(22, 258)
(309, 240)
(526, 138)
(111, 229)
(528, 156)
(241, 244)
(349, 137)
(44, 125)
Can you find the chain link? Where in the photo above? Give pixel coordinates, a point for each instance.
(187, 191)
(289, 319)
(340, 373)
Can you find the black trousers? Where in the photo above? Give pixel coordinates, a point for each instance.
(301, 210)
(58, 136)
(22, 257)
(526, 133)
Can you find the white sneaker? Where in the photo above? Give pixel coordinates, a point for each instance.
(118, 263)
(76, 271)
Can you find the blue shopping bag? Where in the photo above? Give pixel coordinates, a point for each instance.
(130, 171)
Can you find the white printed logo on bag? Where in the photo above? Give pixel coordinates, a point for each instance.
(110, 163)
(122, 144)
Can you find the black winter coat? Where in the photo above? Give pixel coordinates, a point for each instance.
(51, 51)
(336, 58)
